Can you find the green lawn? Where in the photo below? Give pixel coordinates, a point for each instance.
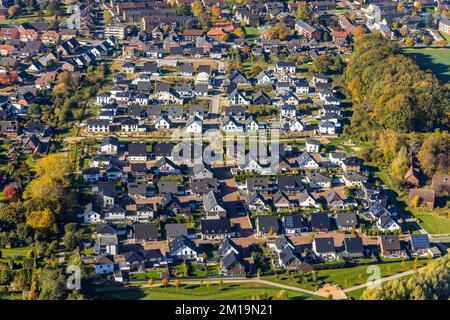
(251, 32)
(23, 252)
(432, 221)
(435, 59)
(228, 291)
(445, 36)
(346, 277)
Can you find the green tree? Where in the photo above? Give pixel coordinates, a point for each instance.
(51, 285)
(400, 164)
(321, 64)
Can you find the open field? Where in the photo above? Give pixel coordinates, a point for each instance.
(435, 59)
(228, 291)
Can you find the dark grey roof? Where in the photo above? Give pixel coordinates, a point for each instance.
(176, 230)
(347, 219)
(147, 231)
(215, 226)
(133, 257)
(320, 220)
(353, 245)
(390, 242)
(179, 242)
(137, 149)
(105, 229)
(167, 186)
(267, 223)
(290, 183)
(324, 245)
(163, 149)
(230, 260)
(201, 186)
(294, 221)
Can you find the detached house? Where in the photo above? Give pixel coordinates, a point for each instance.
(183, 248)
(267, 226)
(324, 249)
(391, 247)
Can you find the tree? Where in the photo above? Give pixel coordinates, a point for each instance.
(197, 8)
(224, 37)
(165, 282)
(302, 11)
(321, 64)
(339, 64)
(177, 284)
(51, 285)
(70, 240)
(427, 41)
(430, 283)
(409, 42)
(358, 33)
(107, 16)
(41, 220)
(404, 30)
(151, 282)
(215, 11)
(281, 295)
(415, 201)
(13, 11)
(239, 32)
(433, 154)
(10, 193)
(383, 85)
(418, 5)
(53, 8)
(400, 164)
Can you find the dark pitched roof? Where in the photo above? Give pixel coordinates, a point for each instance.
(390, 242)
(353, 245)
(324, 245)
(179, 242)
(215, 226)
(176, 230)
(148, 231)
(347, 219)
(320, 220)
(266, 223)
(105, 229)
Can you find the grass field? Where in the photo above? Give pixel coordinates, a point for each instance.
(432, 221)
(445, 36)
(251, 32)
(348, 277)
(435, 59)
(228, 291)
(15, 252)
